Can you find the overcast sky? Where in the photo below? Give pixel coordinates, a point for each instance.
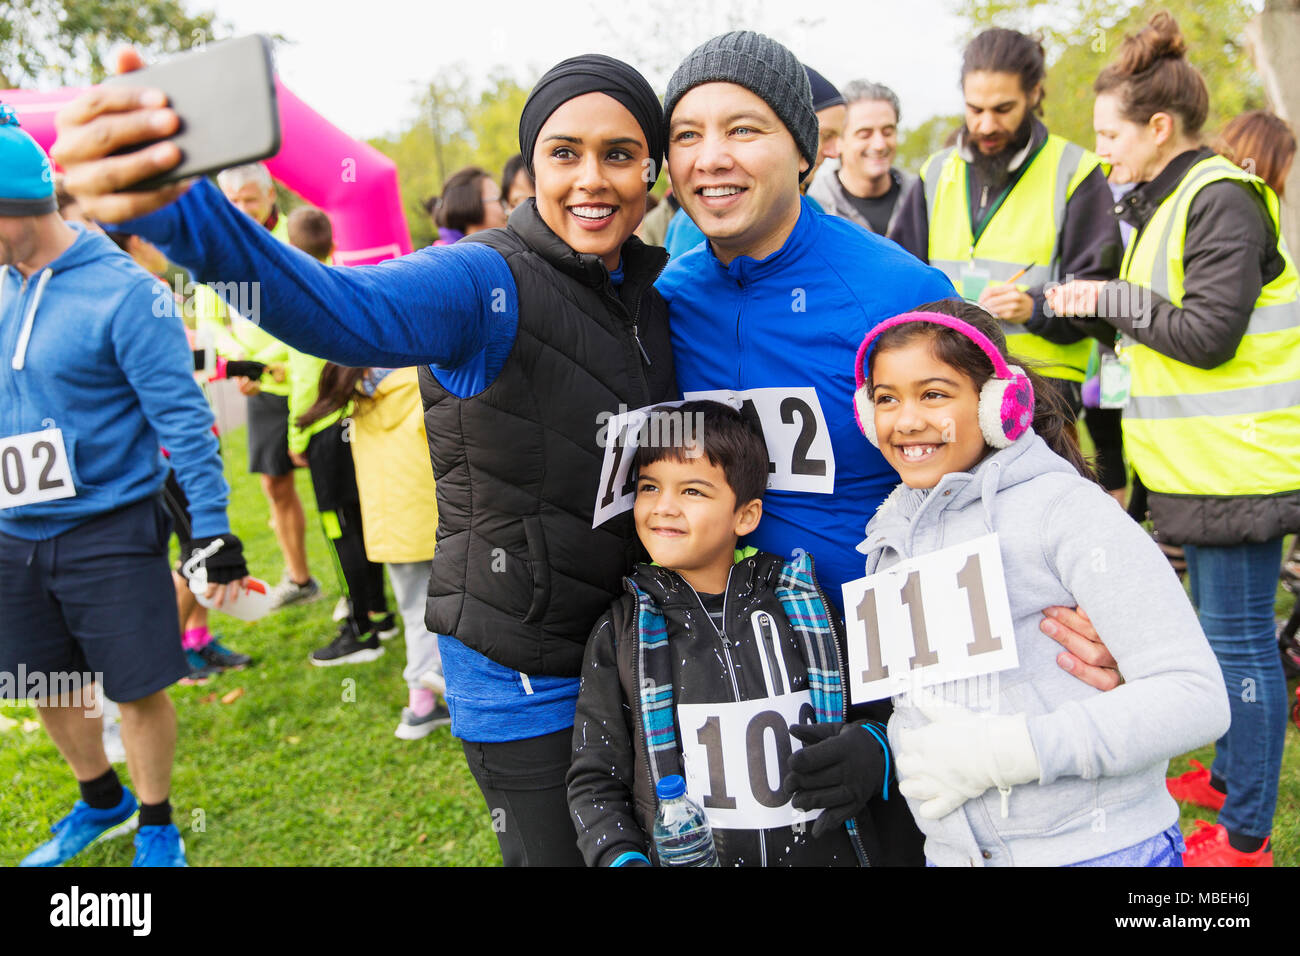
(361, 62)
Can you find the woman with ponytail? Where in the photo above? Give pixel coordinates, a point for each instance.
(1206, 320)
(399, 514)
(985, 447)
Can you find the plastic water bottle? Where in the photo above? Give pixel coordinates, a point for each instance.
(682, 833)
(250, 601)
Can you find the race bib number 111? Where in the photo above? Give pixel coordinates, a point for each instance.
(942, 617)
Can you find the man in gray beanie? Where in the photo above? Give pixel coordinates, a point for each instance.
(774, 305)
(760, 65)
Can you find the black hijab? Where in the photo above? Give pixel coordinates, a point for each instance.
(594, 73)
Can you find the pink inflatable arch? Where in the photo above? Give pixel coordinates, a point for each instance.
(352, 181)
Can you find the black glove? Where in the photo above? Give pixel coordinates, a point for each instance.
(839, 769)
(223, 567)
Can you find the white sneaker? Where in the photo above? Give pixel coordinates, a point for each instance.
(433, 680)
(287, 592)
(414, 728)
(113, 741)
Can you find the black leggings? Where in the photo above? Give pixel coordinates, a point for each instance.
(361, 579)
(523, 784)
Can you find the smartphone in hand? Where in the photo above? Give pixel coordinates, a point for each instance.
(225, 98)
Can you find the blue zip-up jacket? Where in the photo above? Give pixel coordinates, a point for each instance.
(92, 345)
(796, 318)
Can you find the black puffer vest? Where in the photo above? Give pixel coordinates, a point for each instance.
(519, 575)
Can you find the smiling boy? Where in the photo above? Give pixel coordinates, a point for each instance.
(708, 641)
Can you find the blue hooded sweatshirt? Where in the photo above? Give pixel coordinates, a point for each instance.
(796, 318)
(91, 345)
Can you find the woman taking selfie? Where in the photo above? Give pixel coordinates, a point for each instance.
(1208, 329)
(524, 336)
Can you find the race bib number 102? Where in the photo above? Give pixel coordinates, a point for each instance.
(34, 467)
(941, 617)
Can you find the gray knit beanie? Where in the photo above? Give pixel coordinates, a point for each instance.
(760, 65)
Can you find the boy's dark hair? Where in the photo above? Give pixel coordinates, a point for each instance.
(721, 433)
(1053, 419)
(310, 231)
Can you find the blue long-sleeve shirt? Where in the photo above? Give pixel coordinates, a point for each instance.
(91, 345)
(454, 308)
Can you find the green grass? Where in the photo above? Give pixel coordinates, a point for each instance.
(303, 769)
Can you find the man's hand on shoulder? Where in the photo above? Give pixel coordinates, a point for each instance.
(1085, 656)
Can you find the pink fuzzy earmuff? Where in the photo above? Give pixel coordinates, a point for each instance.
(1006, 401)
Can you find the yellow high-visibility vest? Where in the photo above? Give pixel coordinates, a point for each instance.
(1016, 233)
(1235, 429)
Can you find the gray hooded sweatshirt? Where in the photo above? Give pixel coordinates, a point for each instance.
(1103, 756)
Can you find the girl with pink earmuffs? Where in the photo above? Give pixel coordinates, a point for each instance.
(1034, 768)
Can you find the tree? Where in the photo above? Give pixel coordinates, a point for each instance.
(61, 42)
(919, 142)
(1083, 36)
(458, 126)
(1274, 35)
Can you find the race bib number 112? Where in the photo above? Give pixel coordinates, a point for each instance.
(800, 456)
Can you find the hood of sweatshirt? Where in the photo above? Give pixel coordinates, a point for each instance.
(85, 250)
(895, 523)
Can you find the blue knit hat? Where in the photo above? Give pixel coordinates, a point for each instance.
(27, 186)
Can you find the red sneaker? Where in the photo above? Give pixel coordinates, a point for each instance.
(1208, 846)
(1194, 787)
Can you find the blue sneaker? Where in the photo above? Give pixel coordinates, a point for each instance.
(159, 846)
(82, 827)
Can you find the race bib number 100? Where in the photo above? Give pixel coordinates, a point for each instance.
(34, 467)
(942, 617)
(737, 754)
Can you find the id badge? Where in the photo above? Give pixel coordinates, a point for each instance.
(1116, 382)
(974, 281)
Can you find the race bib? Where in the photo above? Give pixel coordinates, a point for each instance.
(621, 435)
(800, 456)
(736, 756)
(930, 620)
(34, 468)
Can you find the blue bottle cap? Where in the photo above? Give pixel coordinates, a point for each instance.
(670, 787)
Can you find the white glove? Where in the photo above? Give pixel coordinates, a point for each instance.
(961, 754)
